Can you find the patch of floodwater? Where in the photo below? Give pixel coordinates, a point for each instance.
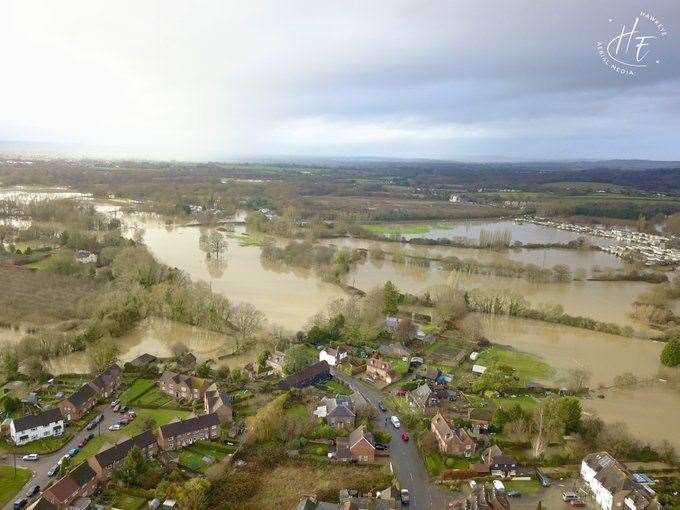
(564, 348)
(29, 194)
(158, 336)
(527, 233)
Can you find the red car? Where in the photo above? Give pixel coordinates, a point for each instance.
(405, 437)
(401, 393)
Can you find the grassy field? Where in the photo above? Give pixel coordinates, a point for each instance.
(527, 488)
(138, 389)
(128, 502)
(391, 229)
(335, 387)
(45, 445)
(435, 462)
(282, 487)
(298, 411)
(527, 366)
(10, 484)
(38, 297)
(146, 393)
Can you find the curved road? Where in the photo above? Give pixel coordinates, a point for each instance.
(405, 458)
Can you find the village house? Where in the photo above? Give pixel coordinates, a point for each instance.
(184, 387)
(338, 411)
(332, 356)
(250, 372)
(496, 463)
(79, 483)
(424, 398)
(75, 406)
(36, 426)
(310, 376)
(359, 446)
(183, 433)
(482, 497)
(106, 382)
(104, 462)
(143, 360)
(452, 441)
(377, 369)
(276, 360)
(220, 403)
(187, 361)
(614, 486)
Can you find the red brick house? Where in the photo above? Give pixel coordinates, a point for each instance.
(376, 368)
(184, 433)
(103, 463)
(75, 406)
(359, 446)
(452, 441)
(106, 382)
(79, 483)
(220, 403)
(184, 387)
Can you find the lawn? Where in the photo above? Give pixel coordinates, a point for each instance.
(297, 411)
(139, 388)
(526, 402)
(527, 367)
(10, 484)
(146, 393)
(435, 462)
(192, 456)
(128, 502)
(335, 387)
(45, 445)
(400, 406)
(160, 416)
(526, 487)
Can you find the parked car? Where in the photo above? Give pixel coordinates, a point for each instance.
(401, 393)
(382, 407)
(116, 408)
(99, 418)
(404, 496)
(380, 446)
(20, 503)
(92, 425)
(577, 503)
(124, 409)
(53, 470)
(114, 403)
(115, 426)
(124, 421)
(405, 437)
(395, 422)
(73, 452)
(85, 440)
(515, 494)
(31, 456)
(34, 491)
(131, 416)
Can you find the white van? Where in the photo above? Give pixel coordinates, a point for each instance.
(395, 422)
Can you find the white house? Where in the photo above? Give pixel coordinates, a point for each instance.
(36, 426)
(478, 369)
(614, 486)
(332, 356)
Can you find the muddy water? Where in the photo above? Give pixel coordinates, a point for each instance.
(575, 259)
(157, 337)
(604, 301)
(288, 297)
(657, 416)
(563, 348)
(522, 232)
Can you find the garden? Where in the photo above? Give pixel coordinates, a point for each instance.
(194, 456)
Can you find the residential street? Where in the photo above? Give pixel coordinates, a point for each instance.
(43, 465)
(406, 461)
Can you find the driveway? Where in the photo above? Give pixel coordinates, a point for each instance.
(406, 462)
(43, 465)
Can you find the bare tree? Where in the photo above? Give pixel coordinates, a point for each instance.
(247, 319)
(213, 243)
(578, 379)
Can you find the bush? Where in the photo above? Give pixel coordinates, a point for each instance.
(670, 356)
(450, 462)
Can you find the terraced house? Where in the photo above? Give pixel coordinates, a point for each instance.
(75, 406)
(184, 433)
(36, 426)
(106, 382)
(79, 483)
(104, 462)
(184, 387)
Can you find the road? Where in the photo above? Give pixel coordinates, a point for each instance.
(41, 466)
(406, 462)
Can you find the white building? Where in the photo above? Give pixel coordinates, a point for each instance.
(85, 257)
(332, 356)
(36, 426)
(614, 486)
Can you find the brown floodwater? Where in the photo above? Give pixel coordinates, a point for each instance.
(564, 347)
(157, 337)
(651, 412)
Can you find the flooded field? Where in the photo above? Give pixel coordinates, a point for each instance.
(26, 194)
(658, 421)
(158, 336)
(526, 233)
(564, 347)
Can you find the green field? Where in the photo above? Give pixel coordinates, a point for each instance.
(146, 393)
(128, 502)
(139, 388)
(391, 229)
(10, 484)
(335, 387)
(46, 445)
(527, 367)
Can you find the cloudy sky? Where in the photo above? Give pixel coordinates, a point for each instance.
(384, 78)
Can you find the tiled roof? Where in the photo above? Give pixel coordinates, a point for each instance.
(64, 489)
(81, 396)
(300, 378)
(82, 474)
(191, 425)
(358, 434)
(118, 452)
(37, 420)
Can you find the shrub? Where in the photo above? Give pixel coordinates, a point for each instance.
(670, 356)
